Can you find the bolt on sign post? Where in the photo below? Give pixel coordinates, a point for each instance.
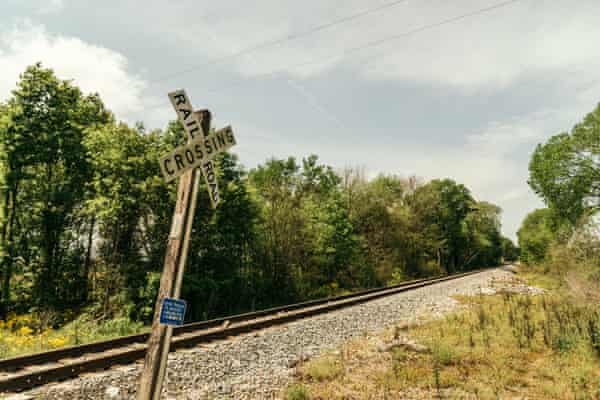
(200, 150)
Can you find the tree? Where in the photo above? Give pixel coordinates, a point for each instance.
(535, 235)
(222, 276)
(123, 161)
(85, 216)
(282, 250)
(565, 171)
(45, 170)
(381, 218)
(484, 240)
(443, 206)
(510, 252)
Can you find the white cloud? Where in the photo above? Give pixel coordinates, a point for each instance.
(487, 51)
(50, 6)
(550, 45)
(93, 68)
(496, 49)
(39, 7)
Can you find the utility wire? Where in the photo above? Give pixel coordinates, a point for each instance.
(381, 41)
(283, 39)
(373, 43)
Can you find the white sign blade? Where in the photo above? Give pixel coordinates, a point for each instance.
(208, 168)
(185, 113)
(196, 152)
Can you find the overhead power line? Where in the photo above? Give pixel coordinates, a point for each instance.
(283, 39)
(379, 42)
(373, 43)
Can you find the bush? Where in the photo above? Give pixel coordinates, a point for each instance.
(323, 368)
(297, 392)
(444, 354)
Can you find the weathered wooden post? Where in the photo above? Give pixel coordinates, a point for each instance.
(201, 148)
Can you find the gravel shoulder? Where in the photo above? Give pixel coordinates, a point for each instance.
(258, 365)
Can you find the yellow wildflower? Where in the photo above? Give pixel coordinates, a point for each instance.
(25, 330)
(57, 342)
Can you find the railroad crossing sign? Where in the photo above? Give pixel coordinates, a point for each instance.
(182, 162)
(197, 152)
(192, 122)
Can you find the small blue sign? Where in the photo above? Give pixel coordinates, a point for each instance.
(172, 311)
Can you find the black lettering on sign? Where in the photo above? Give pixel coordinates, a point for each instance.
(189, 156)
(221, 138)
(214, 143)
(193, 131)
(229, 134)
(186, 113)
(209, 148)
(208, 172)
(166, 164)
(180, 98)
(198, 150)
(178, 161)
(214, 192)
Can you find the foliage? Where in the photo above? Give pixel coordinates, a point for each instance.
(44, 174)
(535, 235)
(296, 392)
(323, 368)
(85, 216)
(565, 171)
(510, 252)
(502, 346)
(564, 239)
(33, 333)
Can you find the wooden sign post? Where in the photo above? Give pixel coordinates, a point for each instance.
(201, 148)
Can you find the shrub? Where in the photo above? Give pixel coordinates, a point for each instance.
(323, 368)
(297, 392)
(444, 354)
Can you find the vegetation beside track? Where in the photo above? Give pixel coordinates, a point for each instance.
(505, 345)
(85, 215)
(26, 334)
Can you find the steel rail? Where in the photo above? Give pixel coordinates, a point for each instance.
(19, 362)
(30, 371)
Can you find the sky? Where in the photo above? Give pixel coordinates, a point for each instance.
(462, 89)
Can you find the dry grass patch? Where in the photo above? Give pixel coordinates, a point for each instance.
(323, 368)
(501, 346)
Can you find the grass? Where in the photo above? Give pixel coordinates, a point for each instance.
(296, 392)
(501, 346)
(26, 334)
(322, 369)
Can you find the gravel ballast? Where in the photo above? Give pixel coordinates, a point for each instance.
(258, 365)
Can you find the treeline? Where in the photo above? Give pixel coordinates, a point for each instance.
(85, 215)
(565, 173)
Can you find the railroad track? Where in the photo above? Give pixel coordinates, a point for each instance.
(30, 371)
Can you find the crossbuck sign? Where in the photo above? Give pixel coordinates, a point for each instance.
(197, 152)
(200, 150)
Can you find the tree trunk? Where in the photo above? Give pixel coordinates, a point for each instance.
(4, 263)
(7, 241)
(88, 259)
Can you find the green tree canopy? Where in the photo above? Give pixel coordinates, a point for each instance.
(85, 216)
(565, 171)
(535, 235)
(45, 170)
